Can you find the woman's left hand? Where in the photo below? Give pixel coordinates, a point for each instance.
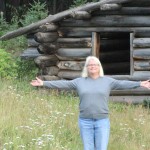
(145, 84)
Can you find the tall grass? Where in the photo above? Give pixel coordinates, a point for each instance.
(38, 118)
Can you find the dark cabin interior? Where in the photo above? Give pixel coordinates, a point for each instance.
(114, 53)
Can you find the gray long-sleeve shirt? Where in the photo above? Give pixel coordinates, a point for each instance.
(93, 93)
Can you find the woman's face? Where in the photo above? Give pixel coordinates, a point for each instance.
(93, 68)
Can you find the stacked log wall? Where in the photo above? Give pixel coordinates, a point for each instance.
(73, 41)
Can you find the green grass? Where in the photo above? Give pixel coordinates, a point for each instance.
(38, 118)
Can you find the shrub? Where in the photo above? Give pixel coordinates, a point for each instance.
(7, 65)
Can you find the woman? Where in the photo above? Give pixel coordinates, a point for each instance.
(93, 89)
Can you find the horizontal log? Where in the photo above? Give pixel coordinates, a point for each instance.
(32, 43)
(70, 58)
(106, 29)
(115, 56)
(142, 65)
(141, 34)
(142, 54)
(71, 65)
(74, 52)
(136, 99)
(80, 15)
(48, 27)
(48, 77)
(109, 21)
(53, 70)
(65, 33)
(141, 42)
(30, 53)
(140, 3)
(124, 11)
(137, 91)
(142, 73)
(64, 74)
(121, 67)
(75, 45)
(47, 48)
(46, 61)
(69, 32)
(46, 37)
(74, 40)
(129, 77)
(110, 7)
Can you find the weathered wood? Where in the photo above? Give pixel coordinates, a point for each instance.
(47, 48)
(32, 43)
(75, 45)
(46, 61)
(74, 40)
(74, 52)
(46, 37)
(109, 21)
(131, 53)
(129, 99)
(142, 65)
(141, 42)
(71, 65)
(30, 53)
(130, 77)
(137, 91)
(70, 58)
(140, 3)
(48, 77)
(95, 44)
(48, 27)
(65, 33)
(107, 29)
(124, 11)
(142, 73)
(142, 34)
(69, 32)
(57, 17)
(110, 7)
(115, 56)
(69, 74)
(53, 70)
(80, 15)
(142, 54)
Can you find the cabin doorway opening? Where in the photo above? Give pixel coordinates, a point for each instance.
(114, 52)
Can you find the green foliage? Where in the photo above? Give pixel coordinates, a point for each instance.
(26, 69)
(37, 12)
(146, 103)
(78, 3)
(7, 65)
(36, 118)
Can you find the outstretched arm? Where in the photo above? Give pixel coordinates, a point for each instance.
(145, 84)
(37, 82)
(59, 84)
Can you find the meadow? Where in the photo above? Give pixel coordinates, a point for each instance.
(34, 118)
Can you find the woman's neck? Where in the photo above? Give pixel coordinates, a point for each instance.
(94, 76)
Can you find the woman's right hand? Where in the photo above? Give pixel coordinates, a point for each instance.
(37, 82)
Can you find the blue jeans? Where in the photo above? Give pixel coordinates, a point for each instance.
(94, 133)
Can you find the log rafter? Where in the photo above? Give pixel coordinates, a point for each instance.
(57, 17)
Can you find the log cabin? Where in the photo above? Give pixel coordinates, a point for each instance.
(115, 31)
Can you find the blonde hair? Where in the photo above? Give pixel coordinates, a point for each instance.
(85, 71)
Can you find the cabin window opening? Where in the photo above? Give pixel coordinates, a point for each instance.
(114, 53)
